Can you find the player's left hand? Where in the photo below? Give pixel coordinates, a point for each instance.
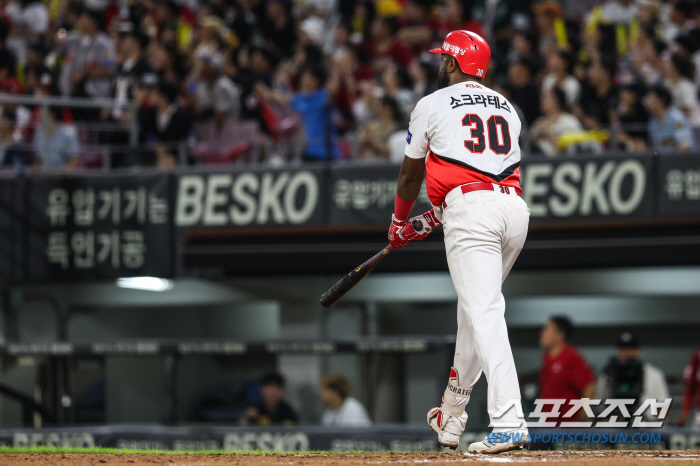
(417, 228)
(395, 239)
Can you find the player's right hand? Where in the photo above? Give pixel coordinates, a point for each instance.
(418, 228)
(395, 238)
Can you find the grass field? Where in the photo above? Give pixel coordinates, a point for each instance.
(98, 450)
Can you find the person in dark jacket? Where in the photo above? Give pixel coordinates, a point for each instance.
(164, 125)
(273, 409)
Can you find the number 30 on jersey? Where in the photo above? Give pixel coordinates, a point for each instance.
(498, 134)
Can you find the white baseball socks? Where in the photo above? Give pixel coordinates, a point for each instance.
(449, 420)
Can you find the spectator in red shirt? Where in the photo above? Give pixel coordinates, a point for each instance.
(691, 375)
(383, 48)
(564, 374)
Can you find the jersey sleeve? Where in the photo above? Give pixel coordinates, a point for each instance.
(417, 138)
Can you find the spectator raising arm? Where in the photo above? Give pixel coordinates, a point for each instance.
(267, 93)
(314, 104)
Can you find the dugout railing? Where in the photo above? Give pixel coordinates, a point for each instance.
(55, 406)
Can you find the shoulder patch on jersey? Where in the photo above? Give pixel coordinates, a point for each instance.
(408, 137)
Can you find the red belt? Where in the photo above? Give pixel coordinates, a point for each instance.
(483, 186)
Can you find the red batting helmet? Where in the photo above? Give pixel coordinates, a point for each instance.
(470, 50)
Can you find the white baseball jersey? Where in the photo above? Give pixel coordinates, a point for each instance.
(468, 133)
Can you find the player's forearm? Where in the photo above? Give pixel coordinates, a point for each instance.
(410, 179)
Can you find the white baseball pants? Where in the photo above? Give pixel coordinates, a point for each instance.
(484, 233)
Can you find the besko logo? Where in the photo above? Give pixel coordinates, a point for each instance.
(267, 441)
(53, 439)
(574, 188)
(246, 199)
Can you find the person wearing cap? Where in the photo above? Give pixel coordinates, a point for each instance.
(627, 376)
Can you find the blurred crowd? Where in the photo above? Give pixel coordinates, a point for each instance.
(282, 80)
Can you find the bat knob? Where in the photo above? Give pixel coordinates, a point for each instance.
(417, 225)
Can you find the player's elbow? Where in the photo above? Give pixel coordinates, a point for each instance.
(411, 178)
(412, 171)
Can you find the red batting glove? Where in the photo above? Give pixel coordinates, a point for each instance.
(396, 241)
(417, 228)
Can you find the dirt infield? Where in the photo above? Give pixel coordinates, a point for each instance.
(568, 458)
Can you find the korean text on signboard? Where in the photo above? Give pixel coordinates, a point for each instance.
(101, 227)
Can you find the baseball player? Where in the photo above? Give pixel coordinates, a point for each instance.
(463, 139)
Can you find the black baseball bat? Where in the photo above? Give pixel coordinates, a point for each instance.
(347, 283)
